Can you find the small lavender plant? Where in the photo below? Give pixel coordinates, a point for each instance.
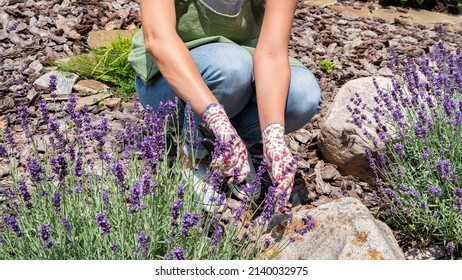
(416, 159)
(79, 199)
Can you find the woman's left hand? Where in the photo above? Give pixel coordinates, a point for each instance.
(281, 163)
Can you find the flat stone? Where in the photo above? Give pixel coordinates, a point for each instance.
(344, 229)
(64, 84)
(112, 103)
(363, 12)
(90, 100)
(423, 17)
(320, 3)
(302, 136)
(102, 38)
(89, 87)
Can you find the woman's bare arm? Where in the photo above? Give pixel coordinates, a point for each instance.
(271, 65)
(171, 55)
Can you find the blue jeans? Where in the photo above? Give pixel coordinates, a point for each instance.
(227, 69)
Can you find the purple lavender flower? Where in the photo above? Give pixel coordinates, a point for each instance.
(52, 85)
(167, 257)
(12, 223)
(217, 235)
(118, 170)
(25, 194)
(59, 167)
(3, 152)
(237, 213)
(35, 169)
(399, 149)
(135, 197)
(42, 104)
(189, 221)
(308, 223)
(390, 193)
(57, 202)
(400, 173)
(143, 239)
(103, 223)
(66, 223)
(178, 254)
(14, 24)
(57, 139)
(444, 169)
(268, 207)
(450, 248)
(78, 167)
(180, 191)
(114, 247)
(105, 197)
(423, 205)
(458, 192)
(78, 187)
(23, 116)
(44, 232)
(175, 213)
(434, 190)
(267, 243)
(9, 138)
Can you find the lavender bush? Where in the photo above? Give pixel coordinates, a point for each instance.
(417, 158)
(76, 198)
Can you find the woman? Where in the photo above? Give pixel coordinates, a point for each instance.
(228, 59)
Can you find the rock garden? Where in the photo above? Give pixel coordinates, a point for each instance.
(86, 173)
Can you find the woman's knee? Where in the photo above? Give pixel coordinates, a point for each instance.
(304, 99)
(227, 69)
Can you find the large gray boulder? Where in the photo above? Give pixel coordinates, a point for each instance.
(344, 230)
(341, 142)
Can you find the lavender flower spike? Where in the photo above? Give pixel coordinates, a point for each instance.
(12, 223)
(178, 254)
(44, 233)
(103, 223)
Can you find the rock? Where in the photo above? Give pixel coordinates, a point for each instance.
(64, 84)
(432, 252)
(92, 99)
(329, 172)
(6, 103)
(322, 200)
(112, 103)
(3, 122)
(341, 142)
(302, 136)
(101, 38)
(321, 186)
(88, 87)
(294, 145)
(344, 230)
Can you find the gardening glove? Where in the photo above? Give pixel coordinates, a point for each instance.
(281, 164)
(231, 161)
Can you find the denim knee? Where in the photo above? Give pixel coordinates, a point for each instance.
(227, 69)
(304, 99)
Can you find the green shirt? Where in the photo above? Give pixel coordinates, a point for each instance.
(198, 24)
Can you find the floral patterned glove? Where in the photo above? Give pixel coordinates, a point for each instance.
(281, 163)
(233, 161)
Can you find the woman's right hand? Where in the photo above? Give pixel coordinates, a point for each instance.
(231, 161)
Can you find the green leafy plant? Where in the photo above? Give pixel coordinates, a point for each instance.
(327, 65)
(108, 64)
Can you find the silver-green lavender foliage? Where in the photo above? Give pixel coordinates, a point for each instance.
(417, 157)
(79, 199)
